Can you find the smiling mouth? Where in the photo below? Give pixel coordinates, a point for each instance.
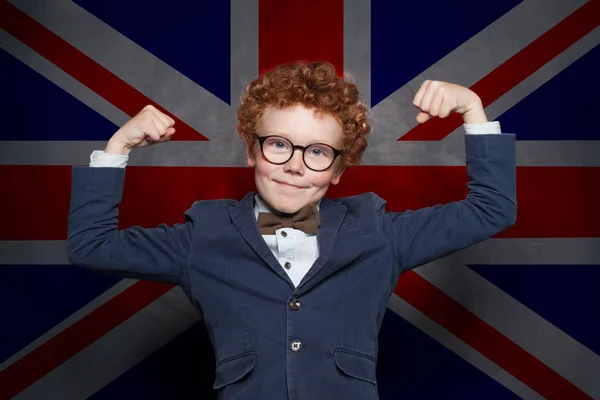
(288, 185)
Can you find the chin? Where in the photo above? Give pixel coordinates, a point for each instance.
(288, 207)
(283, 203)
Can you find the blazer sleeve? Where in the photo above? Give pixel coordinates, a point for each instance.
(95, 243)
(418, 237)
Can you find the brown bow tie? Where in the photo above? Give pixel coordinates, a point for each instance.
(306, 220)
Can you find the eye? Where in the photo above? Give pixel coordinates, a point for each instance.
(277, 144)
(318, 151)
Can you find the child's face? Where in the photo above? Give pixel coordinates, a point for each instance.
(302, 127)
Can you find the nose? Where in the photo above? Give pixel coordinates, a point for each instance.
(295, 164)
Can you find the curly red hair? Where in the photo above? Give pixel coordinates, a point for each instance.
(313, 85)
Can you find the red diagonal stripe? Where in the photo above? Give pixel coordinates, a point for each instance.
(24, 372)
(485, 339)
(498, 82)
(552, 201)
(81, 67)
(310, 30)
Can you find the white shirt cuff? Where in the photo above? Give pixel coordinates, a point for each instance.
(99, 158)
(492, 127)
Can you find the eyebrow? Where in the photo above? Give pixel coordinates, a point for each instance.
(285, 135)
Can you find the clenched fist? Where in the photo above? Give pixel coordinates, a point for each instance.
(440, 99)
(149, 126)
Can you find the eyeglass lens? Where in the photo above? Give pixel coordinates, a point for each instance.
(279, 150)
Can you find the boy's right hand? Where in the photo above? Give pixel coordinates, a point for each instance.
(149, 126)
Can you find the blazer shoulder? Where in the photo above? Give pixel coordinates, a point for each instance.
(364, 202)
(367, 198)
(213, 207)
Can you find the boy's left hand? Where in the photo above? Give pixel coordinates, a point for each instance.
(439, 99)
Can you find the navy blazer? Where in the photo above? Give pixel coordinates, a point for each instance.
(272, 340)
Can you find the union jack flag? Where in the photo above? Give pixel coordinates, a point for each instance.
(516, 316)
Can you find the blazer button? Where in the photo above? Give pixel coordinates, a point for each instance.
(295, 345)
(287, 265)
(294, 304)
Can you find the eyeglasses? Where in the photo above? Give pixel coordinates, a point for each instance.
(279, 150)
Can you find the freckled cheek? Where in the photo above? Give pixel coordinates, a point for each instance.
(264, 173)
(321, 180)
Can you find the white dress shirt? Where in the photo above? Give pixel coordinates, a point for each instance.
(295, 250)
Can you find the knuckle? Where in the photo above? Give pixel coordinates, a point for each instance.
(148, 125)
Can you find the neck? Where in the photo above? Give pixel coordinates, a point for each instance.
(261, 203)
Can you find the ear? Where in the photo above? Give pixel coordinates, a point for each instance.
(250, 156)
(337, 175)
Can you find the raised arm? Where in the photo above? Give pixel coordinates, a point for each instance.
(94, 241)
(426, 234)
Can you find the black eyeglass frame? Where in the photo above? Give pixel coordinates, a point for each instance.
(261, 141)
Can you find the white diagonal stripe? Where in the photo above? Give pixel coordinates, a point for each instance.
(537, 336)
(120, 349)
(477, 57)
(536, 80)
(460, 348)
(180, 95)
(112, 292)
(467, 64)
(63, 80)
(228, 151)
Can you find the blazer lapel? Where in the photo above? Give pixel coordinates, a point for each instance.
(332, 215)
(242, 215)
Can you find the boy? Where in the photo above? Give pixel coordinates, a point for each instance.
(293, 286)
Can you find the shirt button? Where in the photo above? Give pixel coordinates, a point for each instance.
(296, 345)
(287, 265)
(284, 234)
(294, 304)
